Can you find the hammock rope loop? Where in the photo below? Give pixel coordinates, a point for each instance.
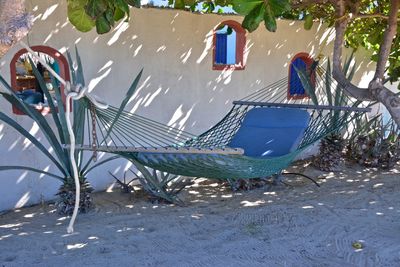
(74, 96)
(75, 93)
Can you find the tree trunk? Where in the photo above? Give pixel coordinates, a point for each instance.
(15, 23)
(376, 91)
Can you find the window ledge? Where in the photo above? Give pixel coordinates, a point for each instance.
(228, 67)
(298, 97)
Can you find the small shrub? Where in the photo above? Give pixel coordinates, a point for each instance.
(375, 143)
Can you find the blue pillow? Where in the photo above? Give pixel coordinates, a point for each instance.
(271, 132)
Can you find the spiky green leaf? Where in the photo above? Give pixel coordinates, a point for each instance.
(40, 120)
(127, 97)
(328, 83)
(53, 109)
(308, 85)
(85, 170)
(24, 168)
(34, 141)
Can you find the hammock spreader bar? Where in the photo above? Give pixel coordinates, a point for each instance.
(302, 106)
(169, 150)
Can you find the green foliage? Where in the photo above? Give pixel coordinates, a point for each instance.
(78, 17)
(254, 18)
(102, 14)
(366, 32)
(308, 22)
(256, 11)
(361, 32)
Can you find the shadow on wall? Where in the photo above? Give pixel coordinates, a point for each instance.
(178, 87)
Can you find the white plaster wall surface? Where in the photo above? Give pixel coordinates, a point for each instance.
(178, 86)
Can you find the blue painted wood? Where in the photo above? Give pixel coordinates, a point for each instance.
(295, 85)
(221, 47)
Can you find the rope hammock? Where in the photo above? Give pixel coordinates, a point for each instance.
(260, 136)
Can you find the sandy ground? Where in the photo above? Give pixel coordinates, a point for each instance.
(299, 225)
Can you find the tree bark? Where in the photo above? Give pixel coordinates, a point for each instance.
(386, 45)
(15, 23)
(340, 28)
(376, 91)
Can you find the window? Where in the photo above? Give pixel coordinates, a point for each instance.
(25, 83)
(301, 61)
(229, 41)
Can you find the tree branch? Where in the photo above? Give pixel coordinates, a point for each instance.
(375, 15)
(338, 75)
(386, 45)
(307, 3)
(376, 91)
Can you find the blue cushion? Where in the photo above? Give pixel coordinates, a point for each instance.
(271, 132)
(34, 98)
(30, 96)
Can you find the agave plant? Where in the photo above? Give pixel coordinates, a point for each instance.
(160, 185)
(374, 142)
(331, 147)
(57, 139)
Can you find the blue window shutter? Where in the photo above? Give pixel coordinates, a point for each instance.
(295, 85)
(221, 48)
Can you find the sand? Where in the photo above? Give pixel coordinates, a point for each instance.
(297, 225)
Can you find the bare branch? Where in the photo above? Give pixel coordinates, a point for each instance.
(386, 44)
(340, 27)
(375, 15)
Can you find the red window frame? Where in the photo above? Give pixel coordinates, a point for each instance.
(309, 61)
(64, 73)
(240, 45)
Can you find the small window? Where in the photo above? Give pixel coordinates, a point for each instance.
(24, 82)
(229, 41)
(301, 61)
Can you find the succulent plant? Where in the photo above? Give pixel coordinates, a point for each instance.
(58, 138)
(374, 143)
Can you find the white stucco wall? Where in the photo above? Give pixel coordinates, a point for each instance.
(178, 85)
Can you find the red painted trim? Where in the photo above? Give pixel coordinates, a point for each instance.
(61, 60)
(309, 61)
(240, 45)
